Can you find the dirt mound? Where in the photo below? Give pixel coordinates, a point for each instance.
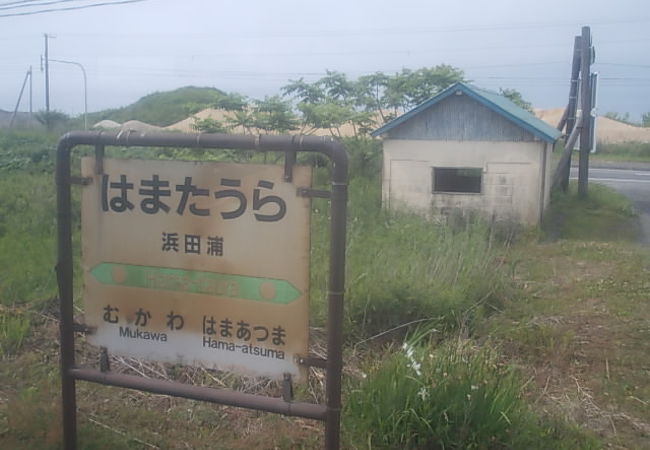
(608, 131)
(107, 124)
(128, 125)
(139, 126)
(186, 125)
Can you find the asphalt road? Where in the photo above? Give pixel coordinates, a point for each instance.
(633, 183)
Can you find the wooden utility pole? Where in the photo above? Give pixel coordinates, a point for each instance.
(582, 126)
(47, 81)
(20, 96)
(571, 109)
(31, 82)
(573, 89)
(561, 176)
(585, 100)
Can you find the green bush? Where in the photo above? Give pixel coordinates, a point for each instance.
(452, 397)
(364, 156)
(27, 150)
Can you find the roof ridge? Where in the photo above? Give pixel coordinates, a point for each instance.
(493, 100)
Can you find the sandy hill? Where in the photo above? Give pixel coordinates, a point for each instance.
(128, 125)
(608, 131)
(186, 125)
(107, 125)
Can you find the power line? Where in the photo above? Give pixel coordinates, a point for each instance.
(641, 66)
(33, 3)
(18, 2)
(375, 31)
(70, 8)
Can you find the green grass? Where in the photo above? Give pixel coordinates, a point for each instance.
(27, 237)
(450, 396)
(14, 328)
(527, 311)
(579, 328)
(628, 151)
(604, 215)
(402, 268)
(28, 150)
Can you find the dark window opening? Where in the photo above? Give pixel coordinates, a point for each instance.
(457, 179)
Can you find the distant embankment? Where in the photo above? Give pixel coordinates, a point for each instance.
(608, 131)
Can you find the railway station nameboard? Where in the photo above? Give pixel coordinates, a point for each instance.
(199, 263)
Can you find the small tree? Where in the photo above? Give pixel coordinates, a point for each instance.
(334, 100)
(231, 102)
(274, 114)
(209, 125)
(52, 119)
(645, 119)
(515, 97)
(243, 119)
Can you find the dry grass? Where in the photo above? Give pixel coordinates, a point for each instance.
(581, 332)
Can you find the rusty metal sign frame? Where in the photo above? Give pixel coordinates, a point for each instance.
(330, 412)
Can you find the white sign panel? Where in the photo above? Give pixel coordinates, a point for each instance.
(198, 263)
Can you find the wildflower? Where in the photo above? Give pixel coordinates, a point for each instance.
(410, 355)
(423, 393)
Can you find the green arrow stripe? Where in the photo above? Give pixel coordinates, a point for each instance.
(232, 286)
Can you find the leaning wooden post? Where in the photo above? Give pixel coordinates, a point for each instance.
(572, 107)
(585, 94)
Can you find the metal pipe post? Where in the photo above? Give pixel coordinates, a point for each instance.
(47, 82)
(336, 291)
(83, 71)
(64, 272)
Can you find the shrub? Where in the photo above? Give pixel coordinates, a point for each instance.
(453, 397)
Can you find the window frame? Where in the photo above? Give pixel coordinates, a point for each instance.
(478, 170)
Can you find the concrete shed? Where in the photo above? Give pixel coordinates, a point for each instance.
(468, 149)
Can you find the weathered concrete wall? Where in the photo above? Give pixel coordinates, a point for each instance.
(513, 184)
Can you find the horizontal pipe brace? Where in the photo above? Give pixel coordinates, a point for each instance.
(223, 397)
(83, 181)
(313, 193)
(82, 328)
(129, 138)
(313, 361)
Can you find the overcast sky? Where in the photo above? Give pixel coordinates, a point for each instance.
(255, 47)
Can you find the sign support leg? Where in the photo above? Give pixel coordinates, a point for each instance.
(64, 274)
(335, 309)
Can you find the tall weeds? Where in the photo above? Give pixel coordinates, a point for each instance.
(403, 268)
(455, 396)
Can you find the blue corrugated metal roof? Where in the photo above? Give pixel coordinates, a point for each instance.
(497, 103)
